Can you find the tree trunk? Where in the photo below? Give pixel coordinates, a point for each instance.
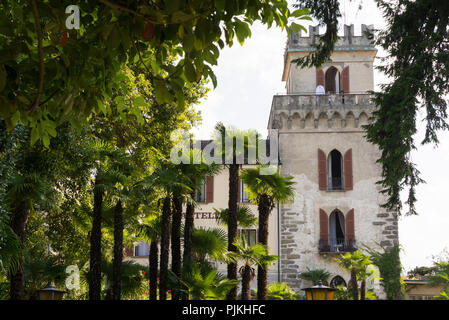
(153, 262)
(232, 224)
(354, 285)
(176, 242)
(188, 232)
(165, 246)
(363, 290)
(18, 225)
(246, 283)
(264, 213)
(95, 245)
(118, 252)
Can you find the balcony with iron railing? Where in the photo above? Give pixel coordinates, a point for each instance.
(337, 245)
(281, 100)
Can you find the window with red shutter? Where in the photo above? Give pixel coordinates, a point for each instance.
(322, 172)
(348, 170)
(210, 189)
(319, 78)
(350, 231)
(324, 231)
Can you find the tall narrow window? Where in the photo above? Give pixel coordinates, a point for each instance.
(200, 193)
(245, 197)
(332, 80)
(250, 236)
(337, 231)
(335, 170)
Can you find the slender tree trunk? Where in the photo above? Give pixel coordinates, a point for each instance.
(95, 245)
(355, 289)
(18, 225)
(176, 242)
(232, 224)
(246, 283)
(264, 213)
(118, 252)
(153, 262)
(363, 290)
(188, 232)
(165, 246)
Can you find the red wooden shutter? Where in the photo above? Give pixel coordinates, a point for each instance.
(129, 251)
(322, 170)
(209, 189)
(345, 80)
(239, 190)
(348, 170)
(324, 228)
(350, 232)
(320, 77)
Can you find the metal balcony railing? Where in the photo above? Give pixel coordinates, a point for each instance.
(337, 245)
(324, 100)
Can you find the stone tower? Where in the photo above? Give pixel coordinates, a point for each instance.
(322, 145)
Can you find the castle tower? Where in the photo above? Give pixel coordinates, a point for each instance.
(322, 145)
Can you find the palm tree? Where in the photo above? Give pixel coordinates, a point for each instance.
(250, 255)
(22, 191)
(245, 218)
(151, 231)
(205, 283)
(225, 136)
(316, 275)
(194, 174)
(166, 177)
(265, 191)
(356, 263)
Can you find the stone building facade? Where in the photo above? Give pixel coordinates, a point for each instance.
(319, 122)
(322, 145)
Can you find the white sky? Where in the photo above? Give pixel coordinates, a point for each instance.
(248, 77)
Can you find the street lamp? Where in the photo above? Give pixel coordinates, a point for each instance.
(50, 293)
(319, 292)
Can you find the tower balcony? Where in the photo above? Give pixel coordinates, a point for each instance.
(320, 111)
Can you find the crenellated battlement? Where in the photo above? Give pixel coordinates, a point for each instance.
(299, 43)
(320, 112)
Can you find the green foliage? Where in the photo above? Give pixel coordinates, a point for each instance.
(205, 283)
(389, 264)
(276, 187)
(440, 275)
(416, 61)
(70, 73)
(281, 291)
(245, 217)
(444, 295)
(316, 275)
(209, 243)
(344, 293)
(256, 254)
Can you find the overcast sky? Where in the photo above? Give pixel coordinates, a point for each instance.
(248, 77)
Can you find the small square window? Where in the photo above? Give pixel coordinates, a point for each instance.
(245, 197)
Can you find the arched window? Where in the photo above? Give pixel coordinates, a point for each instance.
(332, 82)
(336, 231)
(335, 170)
(338, 281)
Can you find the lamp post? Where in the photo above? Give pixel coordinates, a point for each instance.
(319, 292)
(50, 293)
